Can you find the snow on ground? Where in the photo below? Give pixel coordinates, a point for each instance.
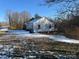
(62, 38)
(3, 57)
(59, 38)
(22, 33)
(17, 32)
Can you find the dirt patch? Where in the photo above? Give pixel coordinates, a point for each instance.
(73, 34)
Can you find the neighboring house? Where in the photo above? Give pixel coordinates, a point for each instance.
(43, 24)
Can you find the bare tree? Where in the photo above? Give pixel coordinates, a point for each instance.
(9, 17)
(67, 6)
(24, 17)
(16, 19)
(37, 16)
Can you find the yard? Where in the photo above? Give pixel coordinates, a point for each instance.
(39, 42)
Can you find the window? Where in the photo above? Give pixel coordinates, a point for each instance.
(38, 26)
(49, 26)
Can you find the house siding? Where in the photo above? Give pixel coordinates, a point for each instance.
(41, 25)
(44, 25)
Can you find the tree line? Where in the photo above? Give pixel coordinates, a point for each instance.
(17, 19)
(67, 13)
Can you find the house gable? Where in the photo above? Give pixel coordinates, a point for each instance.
(43, 24)
(43, 20)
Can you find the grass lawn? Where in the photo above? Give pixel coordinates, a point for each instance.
(2, 32)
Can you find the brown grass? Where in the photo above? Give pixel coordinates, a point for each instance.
(74, 33)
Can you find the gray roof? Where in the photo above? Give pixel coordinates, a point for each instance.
(34, 20)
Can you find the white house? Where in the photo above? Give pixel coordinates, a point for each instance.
(43, 24)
